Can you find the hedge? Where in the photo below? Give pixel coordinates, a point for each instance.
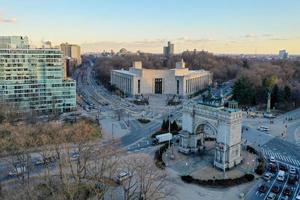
(158, 156)
(219, 182)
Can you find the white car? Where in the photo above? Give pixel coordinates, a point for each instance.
(272, 159)
(271, 196)
(123, 176)
(267, 176)
(263, 128)
(292, 170)
(298, 196)
(17, 171)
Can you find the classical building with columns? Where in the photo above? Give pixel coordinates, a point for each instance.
(180, 80)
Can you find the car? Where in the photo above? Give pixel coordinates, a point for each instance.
(123, 176)
(271, 196)
(281, 176)
(263, 128)
(39, 161)
(284, 198)
(267, 176)
(49, 159)
(283, 167)
(272, 167)
(293, 170)
(272, 159)
(276, 189)
(298, 196)
(75, 156)
(287, 191)
(263, 188)
(293, 178)
(17, 170)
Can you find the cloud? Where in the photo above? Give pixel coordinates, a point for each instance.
(147, 45)
(7, 20)
(267, 35)
(250, 35)
(280, 38)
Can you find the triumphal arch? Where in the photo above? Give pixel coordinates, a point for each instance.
(209, 118)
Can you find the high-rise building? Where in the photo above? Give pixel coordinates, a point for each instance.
(283, 54)
(33, 78)
(169, 50)
(8, 42)
(71, 51)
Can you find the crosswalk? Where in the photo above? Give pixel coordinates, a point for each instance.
(281, 157)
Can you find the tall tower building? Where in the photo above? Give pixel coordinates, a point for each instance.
(71, 51)
(169, 50)
(33, 78)
(283, 54)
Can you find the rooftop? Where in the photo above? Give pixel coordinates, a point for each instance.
(125, 72)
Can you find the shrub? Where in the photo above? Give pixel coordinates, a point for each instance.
(251, 150)
(143, 120)
(158, 156)
(219, 182)
(260, 169)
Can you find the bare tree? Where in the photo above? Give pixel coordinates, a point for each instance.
(146, 181)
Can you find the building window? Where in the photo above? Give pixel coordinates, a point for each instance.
(139, 86)
(158, 86)
(177, 86)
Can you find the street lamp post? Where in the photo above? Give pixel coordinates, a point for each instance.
(112, 130)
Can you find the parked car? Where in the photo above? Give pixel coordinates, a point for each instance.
(272, 159)
(17, 170)
(298, 196)
(293, 170)
(276, 189)
(263, 188)
(75, 156)
(123, 176)
(272, 167)
(284, 198)
(283, 167)
(281, 175)
(287, 191)
(267, 176)
(271, 196)
(293, 178)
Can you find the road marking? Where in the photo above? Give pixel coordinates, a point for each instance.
(296, 191)
(293, 161)
(271, 187)
(281, 157)
(284, 186)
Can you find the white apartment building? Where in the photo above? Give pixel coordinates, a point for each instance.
(34, 78)
(180, 80)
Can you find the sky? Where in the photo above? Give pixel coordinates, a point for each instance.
(218, 26)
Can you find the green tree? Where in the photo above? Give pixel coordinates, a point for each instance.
(246, 64)
(287, 92)
(165, 125)
(243, 91)
(270, 82)
(174, 126)
(274, 96)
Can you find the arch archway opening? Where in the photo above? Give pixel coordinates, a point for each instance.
(206, 137)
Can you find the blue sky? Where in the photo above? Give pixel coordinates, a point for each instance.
(221, 26)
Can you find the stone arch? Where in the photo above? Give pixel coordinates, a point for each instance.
(201, 133)
(202, 124)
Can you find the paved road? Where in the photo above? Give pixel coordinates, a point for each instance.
(254, 194)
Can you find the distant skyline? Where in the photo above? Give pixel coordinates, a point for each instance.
(218, 26)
